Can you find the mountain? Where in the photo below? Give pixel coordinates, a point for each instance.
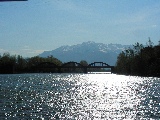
(89, 51)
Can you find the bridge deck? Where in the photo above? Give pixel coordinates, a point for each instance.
(73, 65)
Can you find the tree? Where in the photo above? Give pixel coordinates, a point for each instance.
(53, 60)
(121, 63)
(84, 63)
(143, 61)
(150, 43)
(137, 48)
(7, 63)
(20, 64)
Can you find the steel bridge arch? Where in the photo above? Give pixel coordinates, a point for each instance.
(102, 64)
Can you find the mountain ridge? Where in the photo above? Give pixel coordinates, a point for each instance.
(89, 51)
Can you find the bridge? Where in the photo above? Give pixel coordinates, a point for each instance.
(71, 67)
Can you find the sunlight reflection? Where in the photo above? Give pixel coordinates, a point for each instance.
(109, 93)
(80, 96)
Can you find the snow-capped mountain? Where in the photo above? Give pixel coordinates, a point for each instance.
(89, 51)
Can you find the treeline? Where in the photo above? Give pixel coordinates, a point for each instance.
(12, 64)
(139, 60)
(17, 64)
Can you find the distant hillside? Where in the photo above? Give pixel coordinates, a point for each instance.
(89, 51)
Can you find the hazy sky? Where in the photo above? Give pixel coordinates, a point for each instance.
(29, 28)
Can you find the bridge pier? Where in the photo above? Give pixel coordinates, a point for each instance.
(59, 70)
(112, 69)
(85, 70)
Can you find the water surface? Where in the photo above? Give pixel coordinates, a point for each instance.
(79, 96)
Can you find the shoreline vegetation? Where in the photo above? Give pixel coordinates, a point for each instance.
(12, 64)
(140, 60)
(136, 61)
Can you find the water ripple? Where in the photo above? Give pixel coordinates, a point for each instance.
(79, 96)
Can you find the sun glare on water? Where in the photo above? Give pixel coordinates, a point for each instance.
(79, 96)
(109, 95)
(101, 96)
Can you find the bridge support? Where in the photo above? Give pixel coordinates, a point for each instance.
(59, 70)
(85, 70)
(112, 69)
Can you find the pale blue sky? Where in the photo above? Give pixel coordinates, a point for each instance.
(29, 28)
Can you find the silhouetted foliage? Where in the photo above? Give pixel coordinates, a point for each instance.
(17, 64)
(141, 61)
(84, 63)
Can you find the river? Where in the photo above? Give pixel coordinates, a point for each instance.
(79, 97)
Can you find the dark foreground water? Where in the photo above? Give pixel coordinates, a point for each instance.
(79, 97)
